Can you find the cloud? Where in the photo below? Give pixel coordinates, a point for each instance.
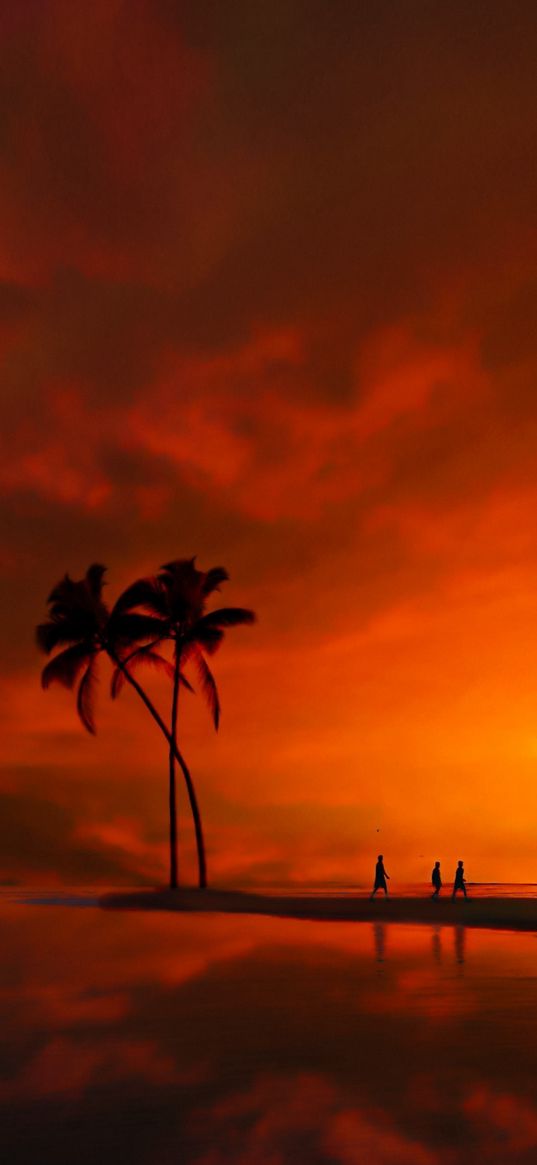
(507, 1124)
(268, 297)
(41, 840)
(304, 1115)
(63, 1070)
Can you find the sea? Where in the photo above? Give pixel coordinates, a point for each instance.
(211, 1039)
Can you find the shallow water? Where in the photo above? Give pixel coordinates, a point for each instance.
(211, 1039)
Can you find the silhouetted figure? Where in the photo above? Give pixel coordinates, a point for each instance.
(380, 877)
(460, 880)
(436, 880)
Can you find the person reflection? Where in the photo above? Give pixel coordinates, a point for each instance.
(459, 934)
(379, 935)
(436, 943)
(380, 877)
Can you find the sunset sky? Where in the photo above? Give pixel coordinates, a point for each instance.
(269, 296)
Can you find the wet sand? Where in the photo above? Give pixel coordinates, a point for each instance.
(496, 913)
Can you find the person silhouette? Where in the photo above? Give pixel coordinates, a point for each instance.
(380, 877)
(460, 880)
(436, 880)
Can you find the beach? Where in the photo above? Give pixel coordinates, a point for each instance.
(495, 912)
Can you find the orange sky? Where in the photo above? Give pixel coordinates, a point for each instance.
(268, 296)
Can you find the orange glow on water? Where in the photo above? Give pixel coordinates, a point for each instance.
(242, 1035)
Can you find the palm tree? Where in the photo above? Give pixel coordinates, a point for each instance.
(81, 624)
(177, 598)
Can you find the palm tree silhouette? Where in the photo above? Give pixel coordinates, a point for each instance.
(177, 598)
(81, 624)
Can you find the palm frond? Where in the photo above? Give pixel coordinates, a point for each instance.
(94, 579)
(133, 661)
(213, 578)
(181, 577)
(53, 634)
(227, 617)
(145, 592)
(78, 607)
(181, 566)
(85, 700)
(207, 637)
(131, 627)
(182, 583)
(208, 686)
(63, 590)
(66, 667)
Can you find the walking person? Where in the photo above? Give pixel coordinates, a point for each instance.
(460, 880)
(380, 877)
(436, 880)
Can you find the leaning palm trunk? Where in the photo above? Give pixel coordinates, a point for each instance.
(172, 789)
(176, 601)
(200, 844)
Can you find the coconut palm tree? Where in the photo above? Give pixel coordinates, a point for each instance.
(177, 598)
(81, 624)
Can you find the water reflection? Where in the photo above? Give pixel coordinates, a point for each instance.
(437, 932)
(248, 1041)
(436, 943)
(379, 935)
(460, 943)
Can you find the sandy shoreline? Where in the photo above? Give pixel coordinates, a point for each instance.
(497, 913)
